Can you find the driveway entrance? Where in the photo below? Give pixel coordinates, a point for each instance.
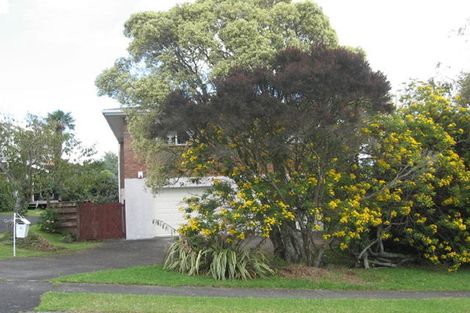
(23, 280)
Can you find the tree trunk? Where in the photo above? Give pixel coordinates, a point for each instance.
(366, 260)
(374, 255)
(319, 258)
(288, 244)
(279, 249)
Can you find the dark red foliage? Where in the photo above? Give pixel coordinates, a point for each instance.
(300, 92)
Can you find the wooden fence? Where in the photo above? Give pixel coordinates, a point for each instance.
(102, 221)
(91, 221)
(68, 217)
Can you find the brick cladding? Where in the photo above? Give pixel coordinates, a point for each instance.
(131, 165)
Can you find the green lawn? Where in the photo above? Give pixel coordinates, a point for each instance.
(336, 279)
(113, 303)
(6, 251)
(55, 240)
(35, 212)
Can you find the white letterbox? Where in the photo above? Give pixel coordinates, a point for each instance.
(22, 227)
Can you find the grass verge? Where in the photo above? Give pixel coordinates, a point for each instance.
(50, 244)
(417, 279)
(114, 303)
(35, 212)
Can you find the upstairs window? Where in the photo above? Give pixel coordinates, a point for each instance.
(177, 138)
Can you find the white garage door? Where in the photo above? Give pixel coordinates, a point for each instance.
(145, 211)
(167, 207)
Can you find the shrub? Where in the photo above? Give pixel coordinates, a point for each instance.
(48, 221)
(69, 237)
(417, 199)
(219, 260)
(35, 242)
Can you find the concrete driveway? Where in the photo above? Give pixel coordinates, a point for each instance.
(23, 280)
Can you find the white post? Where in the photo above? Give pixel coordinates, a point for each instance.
(14, 233)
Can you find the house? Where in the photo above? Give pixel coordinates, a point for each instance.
(147, 215)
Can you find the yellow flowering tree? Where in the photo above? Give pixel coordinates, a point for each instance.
(288, 137)
(405, 196)
(419, 182)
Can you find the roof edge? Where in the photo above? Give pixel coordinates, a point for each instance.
(113, 112)
(116, 120)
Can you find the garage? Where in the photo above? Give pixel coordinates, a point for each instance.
(148, 215)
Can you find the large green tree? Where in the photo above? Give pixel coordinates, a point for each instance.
(186, 47)
(25, 155)
(7, 201)
(41, 156)
(66, 147)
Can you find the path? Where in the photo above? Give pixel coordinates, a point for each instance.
(258, 293)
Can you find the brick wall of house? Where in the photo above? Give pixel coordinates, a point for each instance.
(130, 166)
(121, 164)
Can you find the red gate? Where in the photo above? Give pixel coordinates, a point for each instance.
(102, 221)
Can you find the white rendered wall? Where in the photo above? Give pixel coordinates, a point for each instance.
(143, 207)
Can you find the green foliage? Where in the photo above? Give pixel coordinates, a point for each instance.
(406, 197)
(110, 163)
(217, 259)
(95, 181)
(61, 121)
(26, 154)
(41, 243)
(288, 137)
(48, 221)
(7, 200)
(35, 242)
(44, 158)
(69, 238)
(193, 42)
(297, 133)
(421, 169)
(188, 46)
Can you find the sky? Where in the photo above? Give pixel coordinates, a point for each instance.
(51, 51)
